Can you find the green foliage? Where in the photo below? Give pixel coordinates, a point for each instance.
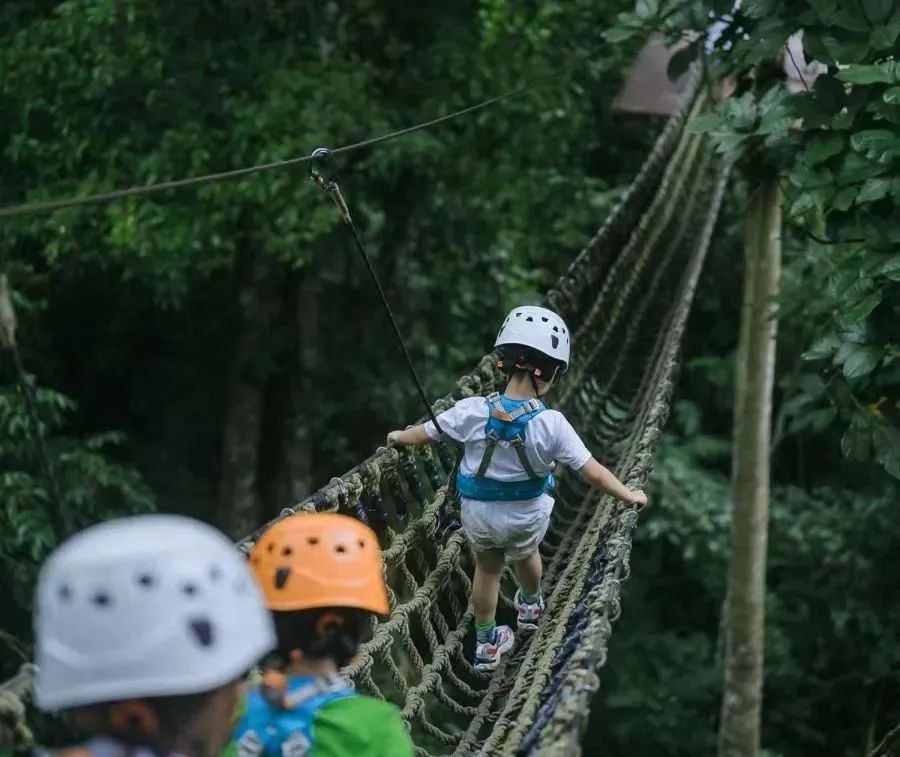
(746, 126)
(146, 313)
(837, 148)
(855, 350)
(95, 485)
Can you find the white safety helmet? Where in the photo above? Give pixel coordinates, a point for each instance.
(152, 605)
(538, 328)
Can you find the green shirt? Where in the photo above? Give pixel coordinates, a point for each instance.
(360, 727)
(357, 726)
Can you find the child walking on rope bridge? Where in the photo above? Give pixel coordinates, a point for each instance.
(512, 443)
(144, 628)
(321, 577)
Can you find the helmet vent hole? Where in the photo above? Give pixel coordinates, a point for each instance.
(287, 552)
(312, 541)
(340, 548)
(545, 319)
(146, 581)
(215, 573)
(281, 577)
(203, 632)
(64, 592)
(189, 589)
(530, 319)
(271, 547)
(101, 599)
(554, 340)
(556, 329)
(362, 544)
(518, 314)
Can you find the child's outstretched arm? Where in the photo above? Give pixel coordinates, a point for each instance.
(602, 478)
(414, 436)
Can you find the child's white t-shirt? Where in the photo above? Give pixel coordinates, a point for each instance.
(549, 438)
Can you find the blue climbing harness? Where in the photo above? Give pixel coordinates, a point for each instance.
(280, 723)
(507, 421)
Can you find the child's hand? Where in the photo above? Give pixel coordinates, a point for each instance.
(637, 498)
(411, 436)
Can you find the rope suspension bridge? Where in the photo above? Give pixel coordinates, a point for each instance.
(627, 296)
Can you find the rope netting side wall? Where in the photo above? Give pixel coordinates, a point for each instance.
(626, 297)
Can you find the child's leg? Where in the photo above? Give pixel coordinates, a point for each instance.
(528, 572)
(486, 589)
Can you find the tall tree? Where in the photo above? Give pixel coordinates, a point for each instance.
(744, 626)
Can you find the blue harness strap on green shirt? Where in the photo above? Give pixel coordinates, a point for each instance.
(323, 717)
(281, 723)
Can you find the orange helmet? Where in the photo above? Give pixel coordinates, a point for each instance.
(320, 560)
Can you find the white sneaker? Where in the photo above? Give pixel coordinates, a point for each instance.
(530, 613)
(488, 653)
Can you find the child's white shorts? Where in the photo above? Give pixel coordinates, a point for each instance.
(515, 527)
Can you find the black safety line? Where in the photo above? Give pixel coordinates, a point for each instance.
(331, 186)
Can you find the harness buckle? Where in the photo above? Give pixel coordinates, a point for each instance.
(502, 415)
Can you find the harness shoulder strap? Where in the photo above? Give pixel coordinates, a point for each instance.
(493, 403)
(495, 410)
(519, 445)
(301, 707)
(491, 444)
(324, 688)
(532, 406)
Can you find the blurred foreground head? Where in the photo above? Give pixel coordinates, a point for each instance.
(144, 627)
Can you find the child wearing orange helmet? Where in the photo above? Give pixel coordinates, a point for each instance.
(321, 576)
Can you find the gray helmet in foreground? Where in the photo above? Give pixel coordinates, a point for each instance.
(154, 605)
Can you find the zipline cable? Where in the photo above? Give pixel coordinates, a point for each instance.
(239, 173)
(331, 186)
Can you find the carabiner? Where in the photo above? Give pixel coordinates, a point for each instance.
(330, 185)
(318, 156)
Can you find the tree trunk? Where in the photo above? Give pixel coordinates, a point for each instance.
(745, 601)
(239, 497)
(297, 443)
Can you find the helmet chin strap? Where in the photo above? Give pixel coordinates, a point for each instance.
(531, 371)
(549, 383)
